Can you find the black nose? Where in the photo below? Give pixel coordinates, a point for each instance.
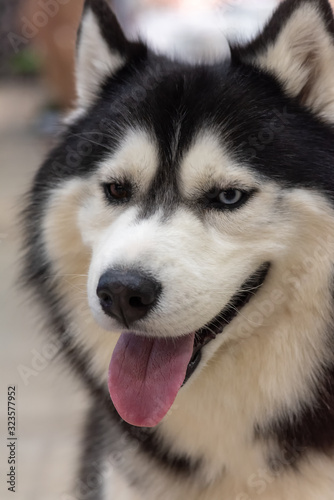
(127, 295)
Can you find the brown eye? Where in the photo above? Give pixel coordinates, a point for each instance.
(117, 192)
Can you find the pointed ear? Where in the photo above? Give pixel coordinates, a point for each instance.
(297, 47)
(102, 50)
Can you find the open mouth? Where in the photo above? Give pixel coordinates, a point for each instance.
(210, 331)
(146, 373)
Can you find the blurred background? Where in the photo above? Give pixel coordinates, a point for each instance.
(37, 89)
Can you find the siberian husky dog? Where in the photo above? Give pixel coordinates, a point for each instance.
(180, 239)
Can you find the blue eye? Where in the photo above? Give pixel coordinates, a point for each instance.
(231, 197)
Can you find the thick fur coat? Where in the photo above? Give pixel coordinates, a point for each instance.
(216, 183)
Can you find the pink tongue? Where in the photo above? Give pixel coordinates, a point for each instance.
(145, 376)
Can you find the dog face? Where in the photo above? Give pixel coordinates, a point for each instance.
(180, 194)
(178, 231)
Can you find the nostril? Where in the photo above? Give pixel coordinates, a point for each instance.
(105, 296)
(137, 302)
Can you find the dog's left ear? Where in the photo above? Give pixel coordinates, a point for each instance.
(102, 50)
(297, 47)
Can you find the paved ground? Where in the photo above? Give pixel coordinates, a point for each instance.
(49, 402)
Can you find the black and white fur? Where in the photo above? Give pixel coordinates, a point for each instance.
(256, 419)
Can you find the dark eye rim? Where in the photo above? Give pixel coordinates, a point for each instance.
(113, 199)
(212, 199)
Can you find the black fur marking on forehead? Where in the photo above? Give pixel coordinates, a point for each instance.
(168, 125)
(258, 125)
(175, 111)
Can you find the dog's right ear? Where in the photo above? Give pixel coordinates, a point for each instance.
(102, 50)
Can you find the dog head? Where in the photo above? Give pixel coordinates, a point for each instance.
(180, 194)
